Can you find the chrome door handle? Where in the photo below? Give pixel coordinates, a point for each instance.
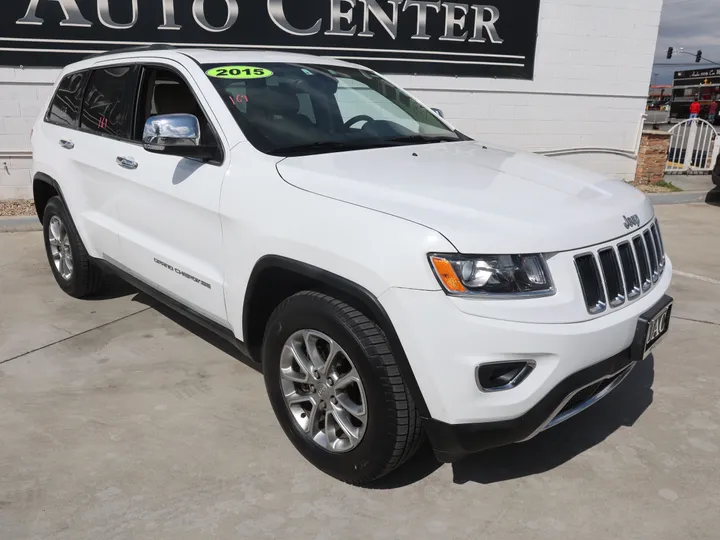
(127, 163)
(67, 145)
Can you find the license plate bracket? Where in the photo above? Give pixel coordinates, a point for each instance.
(651, 328)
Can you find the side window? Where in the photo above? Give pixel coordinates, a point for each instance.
(65, 107)
(165, 92)
(109, 100)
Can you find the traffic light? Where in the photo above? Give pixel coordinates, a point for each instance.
(670, 51)
(698, 56)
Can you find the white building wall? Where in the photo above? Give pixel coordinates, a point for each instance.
(23, 93)
(592, 71)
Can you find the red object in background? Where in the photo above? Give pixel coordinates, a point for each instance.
(695, 108)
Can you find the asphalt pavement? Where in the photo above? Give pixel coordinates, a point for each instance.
(120, 420)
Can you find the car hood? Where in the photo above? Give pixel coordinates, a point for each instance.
(482, 199)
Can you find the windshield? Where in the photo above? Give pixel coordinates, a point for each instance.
(293, 109)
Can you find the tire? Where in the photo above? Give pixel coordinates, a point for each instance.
(83, 278)
(392, 430)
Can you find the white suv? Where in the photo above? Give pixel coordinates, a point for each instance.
(395, 278)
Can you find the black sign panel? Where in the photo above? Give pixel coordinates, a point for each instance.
(463, 38)
(697, 73)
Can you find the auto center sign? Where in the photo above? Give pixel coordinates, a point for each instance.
(697, 73)
(491, 38)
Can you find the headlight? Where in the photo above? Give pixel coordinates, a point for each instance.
(494, 275)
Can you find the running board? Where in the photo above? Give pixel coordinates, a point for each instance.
(173, 304)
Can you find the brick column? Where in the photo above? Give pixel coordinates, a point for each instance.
(652, 157)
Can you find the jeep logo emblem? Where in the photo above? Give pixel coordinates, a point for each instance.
(324, 392)
(632, 221)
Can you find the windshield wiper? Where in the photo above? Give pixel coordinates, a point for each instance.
(329, 146)
(414, 139)
(339, 146)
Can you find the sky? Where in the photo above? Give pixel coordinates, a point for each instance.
(692, 24)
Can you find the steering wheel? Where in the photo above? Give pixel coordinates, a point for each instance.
(356, 119)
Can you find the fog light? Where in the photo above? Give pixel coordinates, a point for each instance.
(499, 376)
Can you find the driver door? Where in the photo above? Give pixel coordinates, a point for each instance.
(171, 237)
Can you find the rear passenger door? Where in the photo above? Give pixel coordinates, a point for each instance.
(89, 182)
(170, 228)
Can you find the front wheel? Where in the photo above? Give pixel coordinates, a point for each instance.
(336, 389)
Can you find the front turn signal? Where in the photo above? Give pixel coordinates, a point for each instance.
(447, 274)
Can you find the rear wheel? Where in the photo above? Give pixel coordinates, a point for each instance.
(74, 270)
(336, 389)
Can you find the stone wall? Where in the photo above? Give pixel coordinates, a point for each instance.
(652, 157)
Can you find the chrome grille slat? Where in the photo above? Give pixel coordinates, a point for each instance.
(621, 272)
(592, 285)
(652, 253)
(643, 260)
(614, 288)
(631, 274)
(654, 232)
(659, 236)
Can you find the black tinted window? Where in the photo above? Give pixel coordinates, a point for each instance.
(65, 107)
(108, 103)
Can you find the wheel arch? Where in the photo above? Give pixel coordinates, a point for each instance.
(45, 188)
(275, 278)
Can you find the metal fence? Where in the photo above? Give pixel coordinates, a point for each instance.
(694, 147)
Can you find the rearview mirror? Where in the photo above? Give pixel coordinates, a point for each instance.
(176, 135)
(438, 112)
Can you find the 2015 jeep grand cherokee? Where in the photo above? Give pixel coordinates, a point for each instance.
(394, 277)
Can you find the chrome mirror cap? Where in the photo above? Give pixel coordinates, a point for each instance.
(171, 130)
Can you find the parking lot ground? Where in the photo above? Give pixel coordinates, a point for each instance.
(121, 420)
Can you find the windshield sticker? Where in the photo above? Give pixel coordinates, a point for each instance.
(239, 72)
(240, 98)
(307, 71)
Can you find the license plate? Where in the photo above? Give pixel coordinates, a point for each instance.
(656, 329)
(652, 326)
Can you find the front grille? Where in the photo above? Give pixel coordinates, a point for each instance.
(622, 272)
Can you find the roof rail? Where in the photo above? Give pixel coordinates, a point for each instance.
(142, 48)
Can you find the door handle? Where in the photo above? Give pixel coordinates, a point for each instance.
(127, 163)
(67, 145)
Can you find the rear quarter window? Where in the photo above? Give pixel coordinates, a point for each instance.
(64, 109)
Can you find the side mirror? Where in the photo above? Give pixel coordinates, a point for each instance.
(175, 135)
(438, 112)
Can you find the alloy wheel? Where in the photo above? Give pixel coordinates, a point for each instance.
(323, 391)
(60, 248)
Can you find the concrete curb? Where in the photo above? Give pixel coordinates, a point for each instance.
(680, 197)
(19, 224)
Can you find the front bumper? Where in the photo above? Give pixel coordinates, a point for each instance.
(452, 442)
(444, 345)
